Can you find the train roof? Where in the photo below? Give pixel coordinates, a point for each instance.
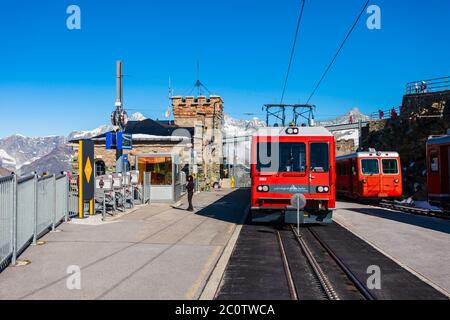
(388, 154)
(434, 140)
(303, 132)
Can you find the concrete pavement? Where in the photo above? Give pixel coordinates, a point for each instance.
(155, 252)
(420, 244)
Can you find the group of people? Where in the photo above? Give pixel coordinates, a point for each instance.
(394, 114)
(422, 88)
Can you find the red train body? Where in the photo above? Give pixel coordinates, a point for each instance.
(438, 171)
(369, 175)
(294, 161)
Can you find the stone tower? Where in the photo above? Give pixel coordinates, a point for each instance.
(205, 115)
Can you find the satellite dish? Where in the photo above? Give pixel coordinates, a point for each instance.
(298, 201)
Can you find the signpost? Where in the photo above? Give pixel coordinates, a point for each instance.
(86, 180)
(298, 201)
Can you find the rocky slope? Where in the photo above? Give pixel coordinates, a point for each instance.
(421, 117)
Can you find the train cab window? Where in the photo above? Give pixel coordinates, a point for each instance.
(283, 157)
(292, 157)
(370, 166)
(319, 158)
(390, 166)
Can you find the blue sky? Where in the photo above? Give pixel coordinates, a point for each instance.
(54, 80)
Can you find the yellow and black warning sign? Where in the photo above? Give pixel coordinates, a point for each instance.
(86, 186)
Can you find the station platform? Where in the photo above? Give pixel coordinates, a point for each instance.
(420, 244)
(155, 252)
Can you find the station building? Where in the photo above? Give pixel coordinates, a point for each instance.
(191, 143)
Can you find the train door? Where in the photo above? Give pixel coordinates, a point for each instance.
(319, 162)
(390, 174)
(354, 180)
(370, 169)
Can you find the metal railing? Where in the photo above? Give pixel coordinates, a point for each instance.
(29, 208)
(385, 114)
(32, 206)
(7, 201)
(428, 86)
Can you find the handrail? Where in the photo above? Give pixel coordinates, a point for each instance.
(428, 86)
(386, 114)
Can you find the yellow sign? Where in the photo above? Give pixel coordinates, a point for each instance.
(88, 170)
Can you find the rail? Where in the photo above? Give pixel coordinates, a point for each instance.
(32, 206)
(29, 208)
(384, 114)
(428, 86)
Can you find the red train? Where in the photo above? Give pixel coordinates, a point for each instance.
(438, 171)
(293, 161)
(369, 175)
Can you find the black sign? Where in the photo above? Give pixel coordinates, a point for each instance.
(87, 169)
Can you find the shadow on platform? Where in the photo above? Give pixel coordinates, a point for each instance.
(431, 223)
(228, 208)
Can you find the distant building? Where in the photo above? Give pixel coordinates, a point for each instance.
(205, 116)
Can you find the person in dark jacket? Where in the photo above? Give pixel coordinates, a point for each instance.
(190, 189)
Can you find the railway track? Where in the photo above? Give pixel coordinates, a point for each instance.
(274, 262)
(327, 266)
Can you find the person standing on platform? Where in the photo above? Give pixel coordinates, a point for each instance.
(190, 186)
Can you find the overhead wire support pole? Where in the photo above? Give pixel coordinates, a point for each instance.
(337, 53)
(292, 51)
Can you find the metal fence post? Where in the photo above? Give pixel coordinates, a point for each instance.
(14, 221)
(66, 202)
(54, 202)
(35, 208)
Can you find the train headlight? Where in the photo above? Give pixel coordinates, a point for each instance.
(323, 189)
(259, 188)
(292, 130)
(265, 188)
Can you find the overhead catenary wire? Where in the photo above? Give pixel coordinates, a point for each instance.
(293, 51)
(337, 53)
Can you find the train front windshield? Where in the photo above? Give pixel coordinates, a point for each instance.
(291, 157)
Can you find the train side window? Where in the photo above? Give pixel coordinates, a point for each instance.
(370, 166)
(434, 163)
(390, 166)
(319, 158)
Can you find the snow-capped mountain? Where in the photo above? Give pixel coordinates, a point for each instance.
(239, 127)
(354, 114)
(18, 150)
(59, 159)
(102, 129)
(237, 137)
(137, 116)
(24, 155)
(89, 133)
